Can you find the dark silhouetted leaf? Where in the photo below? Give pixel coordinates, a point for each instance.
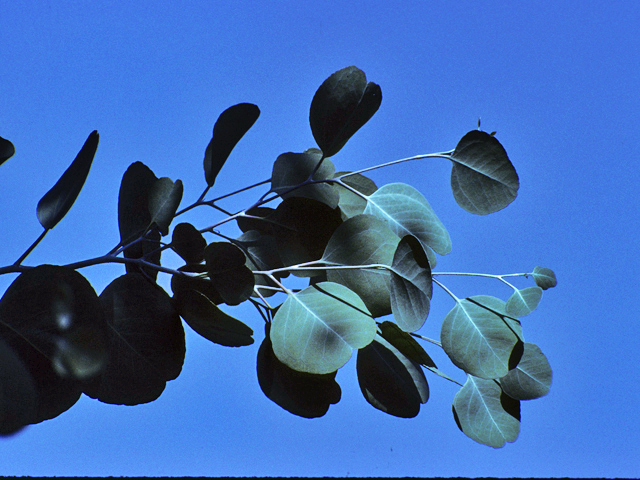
(18, 395)
(363, 240)
(188, 242)
(146, 342)
(256, 218)
(304, 394)
(207, 320)
(230, 127)
(390, 381)
(228, 272)
(544, 277)
(316, 329)
(404, 342)
(293, 169)
(343, 103)
(350, 203)
(485, 414)
(201, 282)
(262, 254)
(302, 229)
(408, 213)
(411, 285)
(483, 178)
(531, 378)
(164, 200)
(56, 203)
(7, 150)
(479, 338)
(523, 302)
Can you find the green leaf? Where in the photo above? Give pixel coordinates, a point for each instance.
(485, 414)
(262, 254)
(304, 394)
(228, 272)
(406, 344)
(302, 227)
(316, 329)
(134, 217)
(207, 320)
(230, 127)
(56, 203)
(146, 342)
(544, 278)
(408, 213)
(188, 242)
(531, 378)
(411, 284)
(19, 396)
(523, 302)
(363, 240)
(350, 203)
(390, 381)
(479, 338)
(343, 103)
(200, 282)
(164, 200)
(293, 169)
(7, 150)
(483, 178)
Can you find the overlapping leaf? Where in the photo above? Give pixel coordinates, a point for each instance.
(408, 213)
(405, 343)
(56, 202)
(228, 272)
(411, 285)
(164, 200)
(485, 414)
(343, 103)
(262, 254)
(188, 242)
(531, 378)
(316, 329)
(390, 381)
(524, 301)
(350, 203)
(483, 178)
(230, 127)
(363, 240)
(480, 339)
(544, 277)
(146, 342)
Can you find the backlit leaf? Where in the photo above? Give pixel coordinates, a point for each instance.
(230, 127)
(544, 277)
(350, 203)
(343, 103)
(408, 213)
(316, 329)
(483, 178)
(485, 414)
(523, 302)
(531, 378)
(56, 203)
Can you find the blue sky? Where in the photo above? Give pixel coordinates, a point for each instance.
(558, 81)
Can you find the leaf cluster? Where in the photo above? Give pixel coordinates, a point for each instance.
(366, 256)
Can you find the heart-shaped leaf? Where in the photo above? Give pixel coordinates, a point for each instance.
(483, 178)
(343, 103)
(7, 150)
(230, 127)
(58, 201)
(316, 329)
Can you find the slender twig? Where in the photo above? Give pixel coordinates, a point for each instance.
(30, 249)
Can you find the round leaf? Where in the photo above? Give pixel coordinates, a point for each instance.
(228, 272)
(408, 213)
(188, 242)
(544, 277)
(316, 329)
(343, 103)
(531, 378)
(523, 302)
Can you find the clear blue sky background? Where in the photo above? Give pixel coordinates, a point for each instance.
(559, 81)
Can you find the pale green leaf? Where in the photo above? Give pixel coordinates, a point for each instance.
(523, 302)
(544, 277)
(531, 378)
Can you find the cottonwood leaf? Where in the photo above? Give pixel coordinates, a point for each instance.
(524, 301)
(408, 213)
(404, 342)
(228, 272)
(316, 329)
(390, 381)
(230, 127)
(164, 200)
(7, 150)
(146, 342)
(544, 277)
(350, 203)
(293, 169)
(343, 103)
(483, 179)
(480, 339)
(188, 242)
(531, 378)
(134, 217)
(411, 285)
(485, 414)
(58, 201)
(363, 240)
